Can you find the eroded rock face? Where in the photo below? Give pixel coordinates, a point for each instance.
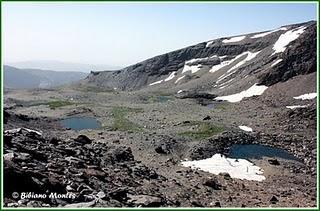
(299, 59)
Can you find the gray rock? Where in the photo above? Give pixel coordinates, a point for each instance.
(145, 201)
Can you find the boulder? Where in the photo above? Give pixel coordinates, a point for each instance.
(274, 162)
(82, 139)
(145, 201)
(212, 183)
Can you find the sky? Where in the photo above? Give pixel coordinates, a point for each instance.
(125, 33)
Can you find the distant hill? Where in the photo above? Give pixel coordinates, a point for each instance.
(16, 78)
(61, 66)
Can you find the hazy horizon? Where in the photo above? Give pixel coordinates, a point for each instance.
(121, 34)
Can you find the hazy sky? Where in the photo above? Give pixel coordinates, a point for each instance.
(126, 33)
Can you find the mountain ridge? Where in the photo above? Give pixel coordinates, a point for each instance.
(298, 57)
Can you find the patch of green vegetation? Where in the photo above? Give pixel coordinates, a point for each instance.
(159, 99)
(204, 130)
(221, 106)
(58, 104)
(52, 104)
(121, 122)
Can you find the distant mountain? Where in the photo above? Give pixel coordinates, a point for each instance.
(61, 66)
(16, 78)
(223, 66)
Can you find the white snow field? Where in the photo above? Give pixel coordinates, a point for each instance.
(308, 96)
(267, 33)
(231, 71)
(217, 67)
(252, 91)
(157, 82)
(297, 106)
(234, 39)
(180, 78)
(276, 62)
(209, 43)
(286, 38)
(249, 57)
(171, 76)
(236, 168)
(192, 68)
(245, 128)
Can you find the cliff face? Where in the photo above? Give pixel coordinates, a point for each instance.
(264, 58)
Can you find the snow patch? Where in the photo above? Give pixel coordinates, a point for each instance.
(286, 38)
(249, 57)
(222, 87)
(236, 168)
(217, 67)
(157, 82)
(225, 83)
(222, 57)
(180, 78)
(180, 91)
(189, 62)
(269, 32)
(233, 39)
(308, 96)
(245, 128)
(252, 91)
(297, 106)
(276, 62)
(209, 43)
(192, 68)
(18, 130)
(171, 76)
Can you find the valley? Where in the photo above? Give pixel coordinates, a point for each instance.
(152, 123)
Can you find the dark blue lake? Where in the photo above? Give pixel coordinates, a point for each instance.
(255, 151)
(80, 123)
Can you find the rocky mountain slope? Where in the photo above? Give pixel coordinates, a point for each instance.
(223, 65)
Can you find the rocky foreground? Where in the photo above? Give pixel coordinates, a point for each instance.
(47, 171)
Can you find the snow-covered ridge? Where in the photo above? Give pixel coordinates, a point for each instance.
(236, 168)
(209, 43)
(233, 39)
(267, 33)
(286, 38)
(308, 96)
(252, 91)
